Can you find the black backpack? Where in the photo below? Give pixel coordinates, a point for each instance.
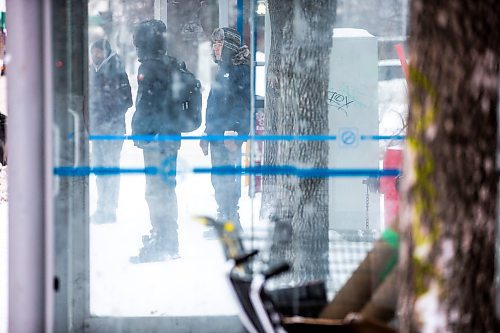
(186, 97)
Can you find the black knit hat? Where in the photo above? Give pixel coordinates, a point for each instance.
(230, 37)
(101, 44)
(150, 38)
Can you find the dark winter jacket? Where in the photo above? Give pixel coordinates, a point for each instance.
(228, 105)
(155, 112)
(109, 96)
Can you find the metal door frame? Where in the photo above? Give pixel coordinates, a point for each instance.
(29, 268)
(49, 262)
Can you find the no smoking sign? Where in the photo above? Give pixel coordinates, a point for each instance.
(348, 137)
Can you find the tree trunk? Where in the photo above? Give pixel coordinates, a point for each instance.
(450, 178)
(297, 105)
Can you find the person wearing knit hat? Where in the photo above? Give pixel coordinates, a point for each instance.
(228, 114)
(227, 42)
(149, 38)
(109, 98)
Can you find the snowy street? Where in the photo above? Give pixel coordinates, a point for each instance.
(196, 281)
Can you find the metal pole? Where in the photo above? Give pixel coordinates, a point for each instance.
(223, 13)
(253, 51)
(160, 10)
(404, 13)
(26, 167)
(48, 154)
(239, 20)
(253, 45)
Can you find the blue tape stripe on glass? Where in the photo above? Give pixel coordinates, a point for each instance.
(299, 172)
(215, 137)
(228, 170)
(236, 137)
(86, 171)
(382, 137)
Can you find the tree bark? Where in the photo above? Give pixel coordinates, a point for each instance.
(450, 178)
(297, 105)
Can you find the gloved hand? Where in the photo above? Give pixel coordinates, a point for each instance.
(204, 146)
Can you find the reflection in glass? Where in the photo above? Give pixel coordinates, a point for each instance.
(154, 260)
(155, 243)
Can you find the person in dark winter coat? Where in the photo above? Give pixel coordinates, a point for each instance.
(110, 97)
(156, 115)
(228, 113)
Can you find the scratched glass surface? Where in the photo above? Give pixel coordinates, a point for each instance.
(315, 191)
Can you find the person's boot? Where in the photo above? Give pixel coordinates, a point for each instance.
(210, 233)
(154, 249)
(110, 216)
(148, 252)
(103, 216)
(234, 217)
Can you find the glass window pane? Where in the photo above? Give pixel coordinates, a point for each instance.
(141, 223)
(296, 140)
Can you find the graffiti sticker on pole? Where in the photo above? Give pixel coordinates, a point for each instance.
(348, 137)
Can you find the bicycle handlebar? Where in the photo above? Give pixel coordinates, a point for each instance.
(242, 258)
(275, 270)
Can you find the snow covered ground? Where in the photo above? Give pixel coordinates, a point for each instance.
(192, 285)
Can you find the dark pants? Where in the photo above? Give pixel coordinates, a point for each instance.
(160, 193)
(106, 153)
(227, 187)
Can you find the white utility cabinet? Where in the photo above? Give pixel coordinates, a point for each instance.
(353, 116)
